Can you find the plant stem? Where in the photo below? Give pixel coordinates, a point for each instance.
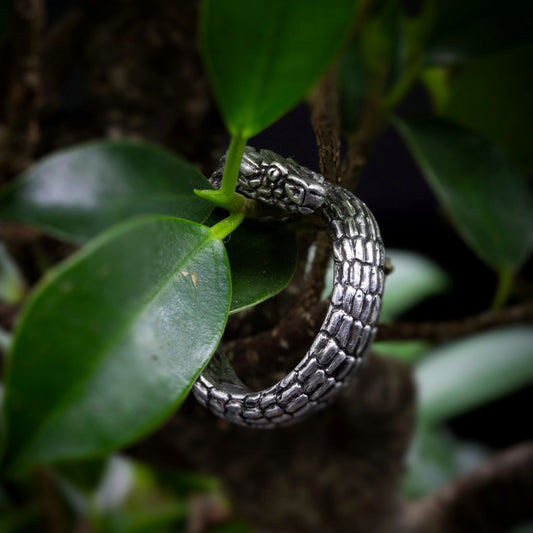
(403, 85)
(505, 284)
(233, 164)
(223, 228)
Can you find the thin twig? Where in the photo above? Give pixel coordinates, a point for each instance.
(297, 330)
(451, 329)
(324, 104)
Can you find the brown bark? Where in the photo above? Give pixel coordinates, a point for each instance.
(493, 498)
(339, 470)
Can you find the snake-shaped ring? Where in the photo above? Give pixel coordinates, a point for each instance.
(350, 323)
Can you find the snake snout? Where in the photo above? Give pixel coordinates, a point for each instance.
(307, 194)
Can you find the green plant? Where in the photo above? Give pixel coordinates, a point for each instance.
(110, 342)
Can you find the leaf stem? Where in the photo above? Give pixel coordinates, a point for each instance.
(404, 84)
(233, 164)
(503, 288)
(223, 228)
(226, 197)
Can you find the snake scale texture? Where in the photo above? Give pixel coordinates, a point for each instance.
(350, 323)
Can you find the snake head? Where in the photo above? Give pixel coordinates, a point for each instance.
(279, 182)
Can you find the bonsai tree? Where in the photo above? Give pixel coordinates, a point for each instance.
(123, 267)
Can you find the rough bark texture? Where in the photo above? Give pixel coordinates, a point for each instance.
(339, 470)
(336, 471)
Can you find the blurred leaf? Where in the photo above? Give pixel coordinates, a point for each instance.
(12, 284)
(161, 518)
(184, 484)
(353, 86)
(111, 342)
(263, 57)
(487, 200)
(262, 259)
(5, 340)
(493, 96)
(84, 475)
(406, 351)
(78, 192)
(526, 528)
(116, 484)
(25, 519)
(478, 27)
(462, 375)
(436, 81)
(382, 40)
(413, 279)
(436, 457)
(373, 61)
(141, 503)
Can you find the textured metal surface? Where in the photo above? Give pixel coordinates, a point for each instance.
(350, 323)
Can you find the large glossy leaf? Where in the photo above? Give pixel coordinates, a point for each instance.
(488, 201)
(112, 341)
(492, 95)
(262, 57)
(462, 375)
(262, 258)
(78, 192)
(478, 27)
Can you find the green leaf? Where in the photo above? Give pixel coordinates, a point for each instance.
(78, 192)
(12, 284)
(406, 351)
(462, 375)
(413, 279)
(353, 86)
(111, 342)
(262, 57)
(383, 41)
(436, 458)
(488, 201)
(478, 27)
(262, 258)
(492, 95)
(373, 61)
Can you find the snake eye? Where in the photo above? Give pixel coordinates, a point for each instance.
(295, 193)
(273, 173)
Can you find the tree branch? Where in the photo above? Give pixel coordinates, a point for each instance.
(339, 467)
(493, 498)
(451, 329)
(324, 104)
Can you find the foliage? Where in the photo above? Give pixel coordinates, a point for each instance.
(110, 342)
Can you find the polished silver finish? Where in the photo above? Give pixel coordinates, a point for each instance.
(350, 324)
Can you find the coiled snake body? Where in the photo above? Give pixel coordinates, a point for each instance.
(350, 323)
